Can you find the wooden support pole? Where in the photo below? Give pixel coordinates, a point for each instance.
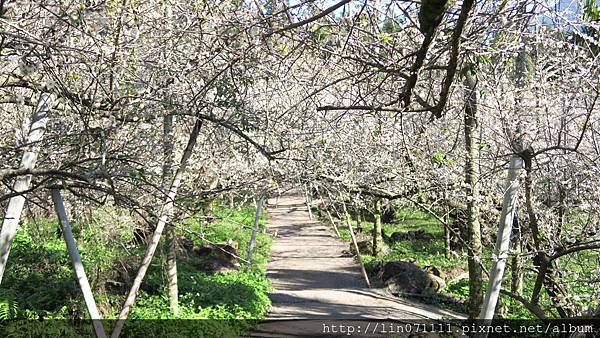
(77, 264)
(259, 206)
(166, 210)
(308, 202)
(322, 200)
(333, 223)
(12, 216)
(509, 206)
(362, 265)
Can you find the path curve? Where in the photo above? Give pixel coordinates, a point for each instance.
(313, 280)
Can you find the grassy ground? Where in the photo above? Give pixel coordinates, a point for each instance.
(40, 283)
(422, 253)
(455, 293)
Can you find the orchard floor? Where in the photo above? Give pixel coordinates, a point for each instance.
(313, 280)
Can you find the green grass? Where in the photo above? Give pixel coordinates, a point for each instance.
(577, 268)
(423, 253)
(235, 225)
(39, 281)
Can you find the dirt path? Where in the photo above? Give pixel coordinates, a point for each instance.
(312, 280)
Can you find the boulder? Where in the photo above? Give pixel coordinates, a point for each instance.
(412, 235)
(217, 258)
(185, 245)
(365, 247)
(383, 249)
(388, 215)
(436, 283)
(400, 237)
(234, 244)
(406, 277)
(426, 237)
(391, 269)
(457, 273)
(434, 271)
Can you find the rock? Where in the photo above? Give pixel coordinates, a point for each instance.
(388, 216)
(434, 271)
(400, 237)
(436, 283)
(456, 273)
(217, 258)
(407, 277)
(427, 237)
(412, 235)
(383, 249)
(233, 244)
(186, 245)
(391, 269)
(365, 247)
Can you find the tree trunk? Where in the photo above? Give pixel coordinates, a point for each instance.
(77, 264)
(472, 183)
(447, 244)
(15, 204)
(516, 264)
(171, 238)
(517, 261)
(377, 237)
(447, 238)
(548, 275)
(359, 220)
(562, 209)
(557, 292)
(509, 206)
(162, 221)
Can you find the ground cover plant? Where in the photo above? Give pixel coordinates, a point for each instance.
(229, 303)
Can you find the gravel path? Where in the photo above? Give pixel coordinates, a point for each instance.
(312, 279)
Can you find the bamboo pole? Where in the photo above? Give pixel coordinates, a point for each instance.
(322, 199)
(509, 206)
(59, 207)
(362, 266)
(337, 213)
(307, 202)
(15, 206)
(162, 221)
(259, 206)
(333, 223)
